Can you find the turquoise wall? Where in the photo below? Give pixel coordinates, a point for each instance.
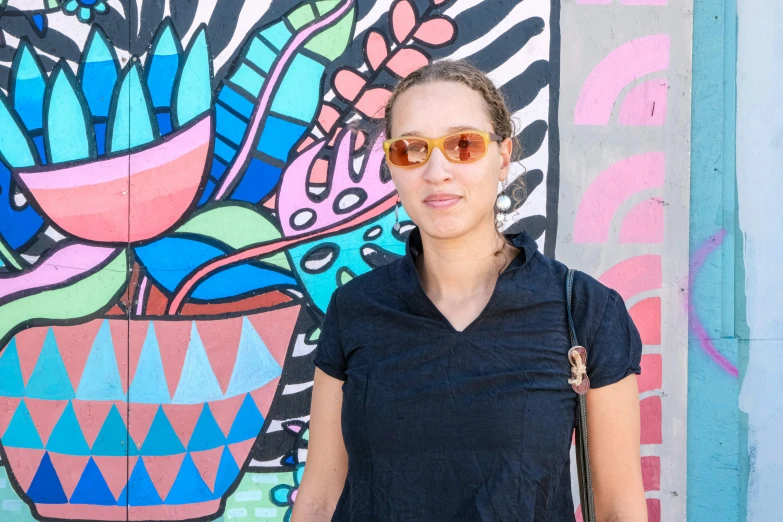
(717, 440)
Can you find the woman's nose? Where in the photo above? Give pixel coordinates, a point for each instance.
(437, 168)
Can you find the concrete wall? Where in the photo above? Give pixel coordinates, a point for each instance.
(759, 183)
(178, 200)
(623, 209)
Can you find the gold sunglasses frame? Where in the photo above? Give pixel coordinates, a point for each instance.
(438, 142)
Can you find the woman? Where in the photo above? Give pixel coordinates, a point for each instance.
(441, 390)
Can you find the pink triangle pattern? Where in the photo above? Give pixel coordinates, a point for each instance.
(141, 417)
(183, 418)
(240, 451)
(23, 464)
(207, 463)
(225, 412)
(275, 328)
(45, 415)
(173, 340)
(115, 471)
(69, 469)
(163, 471)
(74, 343)
(264, 395)
(8, 407)
(91, 415)
(29, 344)
(221, 342)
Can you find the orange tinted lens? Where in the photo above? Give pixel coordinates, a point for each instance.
(407, 152)
(467, 146)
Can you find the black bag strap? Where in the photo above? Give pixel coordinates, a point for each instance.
(582, 455)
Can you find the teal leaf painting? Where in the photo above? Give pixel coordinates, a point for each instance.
(16, 148)
(68, 134)
(131, 121)
(98, 72)
(193, 89)
(28, 85)
(161, 69)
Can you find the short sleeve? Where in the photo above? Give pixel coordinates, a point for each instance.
(616, 350)
(329, 355)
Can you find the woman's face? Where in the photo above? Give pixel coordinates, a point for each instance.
(447, 200)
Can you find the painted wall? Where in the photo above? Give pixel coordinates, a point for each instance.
(759, 183)
(180, 195)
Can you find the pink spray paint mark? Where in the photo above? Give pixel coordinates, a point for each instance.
(699, 258)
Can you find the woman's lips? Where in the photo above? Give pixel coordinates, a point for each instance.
(441, 200)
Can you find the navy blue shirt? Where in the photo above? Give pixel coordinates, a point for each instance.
(442, 425)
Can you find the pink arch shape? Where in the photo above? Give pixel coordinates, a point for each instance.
(634, 275)
(613, 186)
(644, 223)
(624, 65)
(646, 104)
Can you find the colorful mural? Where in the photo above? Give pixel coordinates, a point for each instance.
(184, 184)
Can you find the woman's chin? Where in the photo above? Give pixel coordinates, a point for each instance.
(444, 228)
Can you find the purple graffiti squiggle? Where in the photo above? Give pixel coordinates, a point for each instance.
(699, 258)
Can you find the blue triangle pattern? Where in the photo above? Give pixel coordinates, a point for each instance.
(149, 384)
(161, 439)
(21, 432)
(197, 383)
(123, 500)
(45, 487)
(226, 474)
(140, 490)
(247, 423)
(11, 382)
(207, 434)
(113, 440)
(92, 488)
(101, 377)
(67, 437)
(188, 487)
(49, 379)
(254, 366)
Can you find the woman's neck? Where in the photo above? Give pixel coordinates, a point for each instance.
(458, 268)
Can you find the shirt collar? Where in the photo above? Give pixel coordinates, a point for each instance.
(409, 278)
(522, 240)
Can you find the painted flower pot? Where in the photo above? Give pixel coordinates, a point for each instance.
(139, 420)
(152, 187)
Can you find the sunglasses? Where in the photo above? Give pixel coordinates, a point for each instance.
(460, 147)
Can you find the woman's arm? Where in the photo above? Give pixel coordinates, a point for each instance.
(327, 460)
(613, 437)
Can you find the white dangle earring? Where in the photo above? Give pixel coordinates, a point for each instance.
(503, 202)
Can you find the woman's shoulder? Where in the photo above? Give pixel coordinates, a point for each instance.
(585, 285)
